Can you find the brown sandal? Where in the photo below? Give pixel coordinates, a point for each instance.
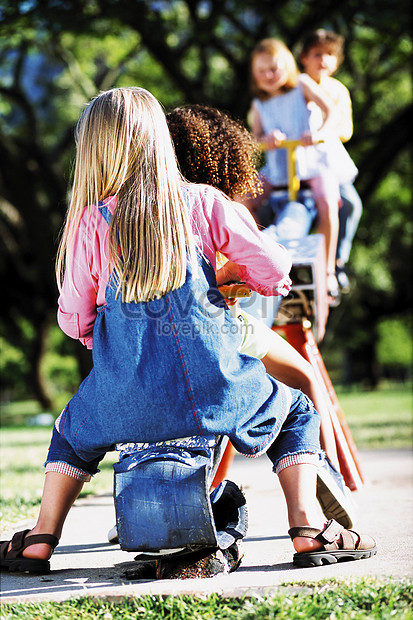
(338, 545)
(13, 561)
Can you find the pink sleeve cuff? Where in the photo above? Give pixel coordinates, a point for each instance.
(267, 290)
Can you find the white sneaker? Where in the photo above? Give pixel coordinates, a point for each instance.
(343, 280)
(113, 536)
(334, 496)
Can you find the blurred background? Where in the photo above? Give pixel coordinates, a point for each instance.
(55, 55)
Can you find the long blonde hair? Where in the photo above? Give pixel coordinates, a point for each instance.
(124, 150)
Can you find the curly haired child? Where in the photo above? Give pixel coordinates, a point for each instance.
(213, 148)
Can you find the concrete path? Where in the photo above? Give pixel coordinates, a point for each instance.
(85, 564)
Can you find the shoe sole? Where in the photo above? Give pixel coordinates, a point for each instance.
(26, 565)
(330, 505)
(322, 558)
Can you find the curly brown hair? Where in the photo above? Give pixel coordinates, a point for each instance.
(214, 149)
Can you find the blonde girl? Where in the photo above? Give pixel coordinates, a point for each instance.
(138, 257)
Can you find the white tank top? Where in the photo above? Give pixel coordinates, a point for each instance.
(290, 114)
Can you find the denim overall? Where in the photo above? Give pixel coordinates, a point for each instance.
(163, 499)
(169, 368)
(165, 370)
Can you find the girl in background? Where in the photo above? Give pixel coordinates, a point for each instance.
(280, 111)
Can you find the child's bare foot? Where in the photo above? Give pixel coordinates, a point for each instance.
(39, 551)
(302, 544)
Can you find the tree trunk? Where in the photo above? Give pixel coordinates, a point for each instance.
(36, 378)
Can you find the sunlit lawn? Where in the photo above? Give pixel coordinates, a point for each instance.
(363, 599)
(380, 419)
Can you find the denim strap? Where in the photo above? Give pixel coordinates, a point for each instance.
(105, 213)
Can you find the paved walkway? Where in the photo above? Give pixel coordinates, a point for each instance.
(85, 564)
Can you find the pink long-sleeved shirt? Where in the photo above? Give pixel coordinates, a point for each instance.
(219, 225)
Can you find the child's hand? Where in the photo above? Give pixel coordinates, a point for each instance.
(227, 273)
(273, 140)
(232, 292)
(308, 138)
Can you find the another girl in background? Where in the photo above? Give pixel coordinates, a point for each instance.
(279, 111)
(321, 54)
(137, 288)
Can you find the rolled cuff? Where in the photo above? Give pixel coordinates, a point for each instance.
(267, 290)
(303, 458)
(68, 470)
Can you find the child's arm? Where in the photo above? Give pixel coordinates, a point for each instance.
(78, 301)
(344, 108)
(262, 263)
(313, 92)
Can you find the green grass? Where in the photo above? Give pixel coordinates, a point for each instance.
(19, 413)
(24, 413)
(380, 419)
(366, 599)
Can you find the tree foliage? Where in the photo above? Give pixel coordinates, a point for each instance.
(57, 54)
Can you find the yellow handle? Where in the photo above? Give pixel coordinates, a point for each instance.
(293, 180)
(234, 290)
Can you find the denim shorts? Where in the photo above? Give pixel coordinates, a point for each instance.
(299, 433)
(60, 451)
